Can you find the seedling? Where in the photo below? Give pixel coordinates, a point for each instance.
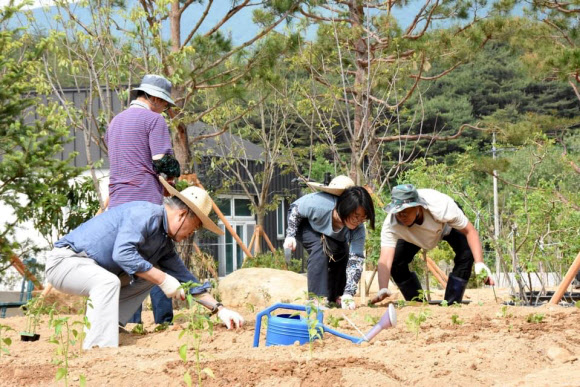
(161, 327)
(535, 318)
(373, 320)
(401, 303)
(65, 335)
(455, 319)
(140, 330)
(504, 312)
(197, 322)
(5, 342)
(32, 309)
(250, 307)
(414, 322)
(334, 321)
(444, 303)
(314, 329)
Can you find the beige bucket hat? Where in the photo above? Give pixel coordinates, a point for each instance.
(335, 187)
(198, 200)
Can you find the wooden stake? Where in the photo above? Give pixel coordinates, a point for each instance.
(566, 281)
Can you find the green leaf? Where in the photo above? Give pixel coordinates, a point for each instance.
(183, 352)
(7, 341)
(60, 373)
(187, 379)
(209, 372)
(82, 380)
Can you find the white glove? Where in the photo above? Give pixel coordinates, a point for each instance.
(480, 266)
(381, 295)
(172, 288)
(290, 243)
(347, 302)
(229, 316)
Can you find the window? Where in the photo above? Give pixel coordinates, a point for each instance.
(242, 207)
(281, 220)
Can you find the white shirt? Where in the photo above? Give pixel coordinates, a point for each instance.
(441, 214)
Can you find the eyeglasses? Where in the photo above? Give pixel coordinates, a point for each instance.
(357, 219)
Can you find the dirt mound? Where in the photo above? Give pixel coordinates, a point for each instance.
(261, 287)
(480, 344)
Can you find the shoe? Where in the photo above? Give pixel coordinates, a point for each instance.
(410, 288)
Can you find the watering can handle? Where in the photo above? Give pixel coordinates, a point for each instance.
(269, 310)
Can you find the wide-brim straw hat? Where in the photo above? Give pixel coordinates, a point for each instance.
(156, 86)
(198, 200)
(404, 196)
(335, 187)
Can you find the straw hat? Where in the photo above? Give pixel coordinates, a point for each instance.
(336, 185)
(198, 200)
(156, 86)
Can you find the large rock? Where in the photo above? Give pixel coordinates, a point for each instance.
(262, 287)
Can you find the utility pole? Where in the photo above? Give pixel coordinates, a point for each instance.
(496, 217)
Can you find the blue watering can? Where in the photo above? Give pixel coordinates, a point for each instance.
(286, 329)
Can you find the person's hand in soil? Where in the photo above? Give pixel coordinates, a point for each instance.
(230, 318)
(381, 295)
(479, 267)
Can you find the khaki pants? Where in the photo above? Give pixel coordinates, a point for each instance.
(109, 304)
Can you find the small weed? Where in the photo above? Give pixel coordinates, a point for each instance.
(139, 330)
(577, 304)
(414, 322)
(334, 321)
(535, 318)
(504, 313)
(422, 297)
(162, 327)
(5, 342)
(401, 303)
(455, 320)
(250, 307)
(373, 320)
(444, 303)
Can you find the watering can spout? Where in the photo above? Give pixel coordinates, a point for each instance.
(388, 320)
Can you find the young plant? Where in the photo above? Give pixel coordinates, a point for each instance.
(504, 312)
(33, 310)
(138, 329)
(577, 304)
(535, 318)
(455, 320)
(65, 336)
(334, 321)
(373, 320)
(5, 342)
(314, 315)
(414, 322)
(197, 321)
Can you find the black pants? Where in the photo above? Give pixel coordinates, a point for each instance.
(326, 275)
(405, 252)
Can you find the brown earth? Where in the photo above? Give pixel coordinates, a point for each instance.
(487, 345)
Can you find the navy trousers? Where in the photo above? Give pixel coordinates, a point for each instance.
(162, 308)
(326, 270)
(405, 252)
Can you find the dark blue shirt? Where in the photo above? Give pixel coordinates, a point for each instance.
(130, 238)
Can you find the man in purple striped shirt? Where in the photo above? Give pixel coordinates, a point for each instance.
(140, 149)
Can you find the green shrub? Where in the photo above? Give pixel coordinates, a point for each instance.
(273, 261)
